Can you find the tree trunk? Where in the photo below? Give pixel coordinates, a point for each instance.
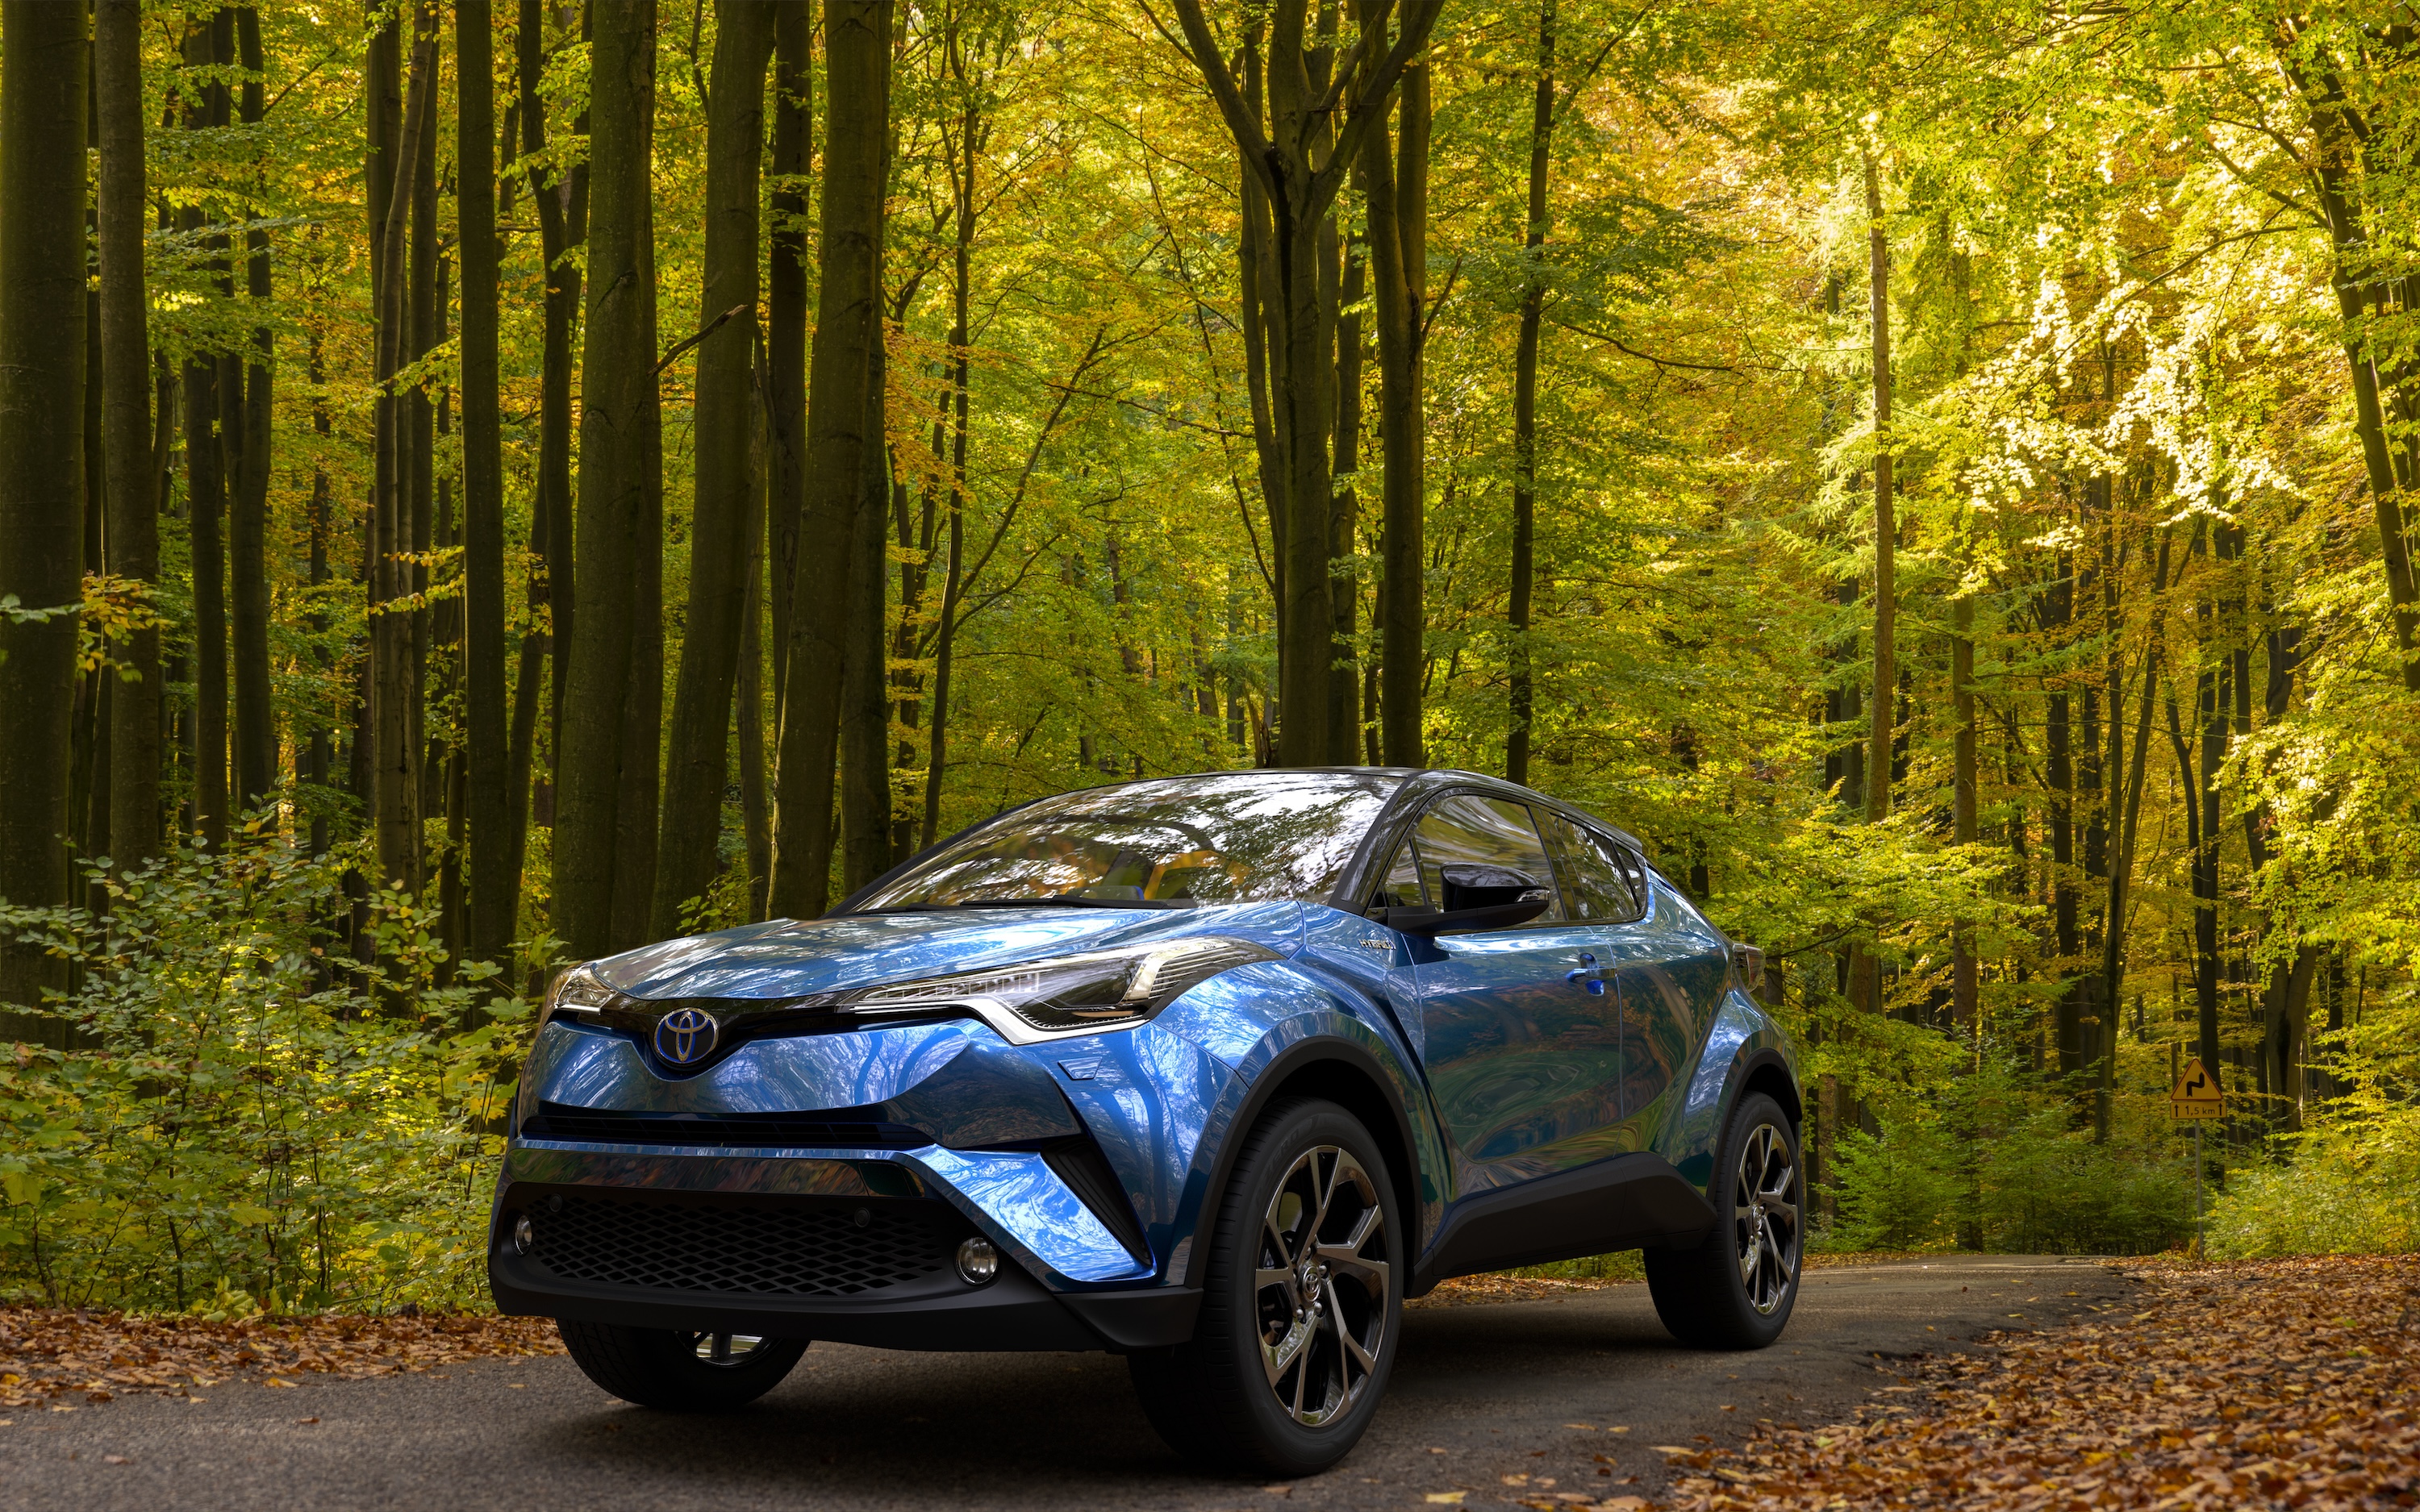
(1967, 984)
(962, 295)
(1344, 588)
(2121, 868)
(1878, 751)
(865, 706)
(425, 333)
(1525, 409)
(2346, 140)
(786, 337)
(44, 73)
(207, 46)
(396, 774)
(563, 224)
(252, 386)
(1397, 277)
(756, 809)
(616, 450)
(487, 757)
(694, 767)
(857, 43)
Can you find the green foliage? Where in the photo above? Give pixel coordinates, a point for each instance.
(247, 1118)
(1998, 1163)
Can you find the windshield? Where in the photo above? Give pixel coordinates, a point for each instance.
(1220, 837)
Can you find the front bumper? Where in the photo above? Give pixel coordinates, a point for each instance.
(857, 1250)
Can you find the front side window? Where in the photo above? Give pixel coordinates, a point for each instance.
(1219, 837)
(1472, 828)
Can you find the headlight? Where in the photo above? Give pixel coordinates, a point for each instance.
(1073, 994)
(576, 990)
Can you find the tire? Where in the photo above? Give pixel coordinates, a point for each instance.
(1216, 1399)
(672, 1369)
(1735, 1289)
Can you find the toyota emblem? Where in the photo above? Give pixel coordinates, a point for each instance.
(686, 1035)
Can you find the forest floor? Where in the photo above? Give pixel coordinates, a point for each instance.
(2004, 1382)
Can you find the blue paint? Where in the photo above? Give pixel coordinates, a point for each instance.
(1499, 1057)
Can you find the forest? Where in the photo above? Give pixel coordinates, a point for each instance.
(489, 484)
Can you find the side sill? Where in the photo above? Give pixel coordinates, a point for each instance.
(1627, 1202)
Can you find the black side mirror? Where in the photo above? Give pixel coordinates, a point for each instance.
(1471, 885)
(1477, 898)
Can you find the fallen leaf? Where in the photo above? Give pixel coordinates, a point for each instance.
(306, 1420)
(117, 1459)
(1277, 1490)
(274, 1382)
(1515, 1480)
(1445, 1498)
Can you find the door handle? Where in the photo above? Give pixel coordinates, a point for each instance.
(1588, 974)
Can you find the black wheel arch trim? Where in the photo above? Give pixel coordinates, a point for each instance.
(1287, 1064)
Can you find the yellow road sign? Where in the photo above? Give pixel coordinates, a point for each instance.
(2197, 1094)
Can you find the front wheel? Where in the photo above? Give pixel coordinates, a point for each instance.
(1734, 1288)
(1301, 1304)
(677, 1370)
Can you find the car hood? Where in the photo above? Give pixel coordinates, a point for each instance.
(791, 958)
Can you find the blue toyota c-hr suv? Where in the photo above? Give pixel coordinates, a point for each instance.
(1213, 1071)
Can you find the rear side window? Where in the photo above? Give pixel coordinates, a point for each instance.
(1601, 880)
(1466, 826)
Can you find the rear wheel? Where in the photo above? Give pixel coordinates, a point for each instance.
(676, 1369)
(1301, 1304)
(1734, 1288)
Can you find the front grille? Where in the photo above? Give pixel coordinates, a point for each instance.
(818, 1251)
(558, 1121)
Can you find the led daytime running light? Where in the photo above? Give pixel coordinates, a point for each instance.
(1074, 992)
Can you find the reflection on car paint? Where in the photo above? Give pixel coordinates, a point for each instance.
(1019, 1202)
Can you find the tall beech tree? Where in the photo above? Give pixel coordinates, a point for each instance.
(1294, 160)
(848, 306)
(1395, 186)
(251, 383)
(494, 880)
(727, 481)
(394, 758)
(209, 46)
(44, 74)
(133, 485)
(1520, 684)
(603, 703)
(786, 314)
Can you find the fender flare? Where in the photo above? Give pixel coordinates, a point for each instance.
(1325, 1047)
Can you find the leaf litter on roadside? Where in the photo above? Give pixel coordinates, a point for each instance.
(47, 1353)
(2259, 1384)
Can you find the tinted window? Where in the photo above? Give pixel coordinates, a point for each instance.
(1599, 880)
(1465, 827)
(1224, 837)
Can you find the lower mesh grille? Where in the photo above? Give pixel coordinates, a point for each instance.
(794, 1251)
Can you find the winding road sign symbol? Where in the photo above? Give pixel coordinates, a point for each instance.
(2197, 1094)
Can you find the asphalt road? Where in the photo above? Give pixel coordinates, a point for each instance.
(1481, 1393)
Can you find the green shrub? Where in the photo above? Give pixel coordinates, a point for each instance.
(2348, 1185)
(1997, 1163)
(249, 1119)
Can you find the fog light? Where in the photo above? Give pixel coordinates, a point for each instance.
(978, 1261)
(523, 1236)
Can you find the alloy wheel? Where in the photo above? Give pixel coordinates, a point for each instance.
(1320, 1285)
(1765, 1218)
